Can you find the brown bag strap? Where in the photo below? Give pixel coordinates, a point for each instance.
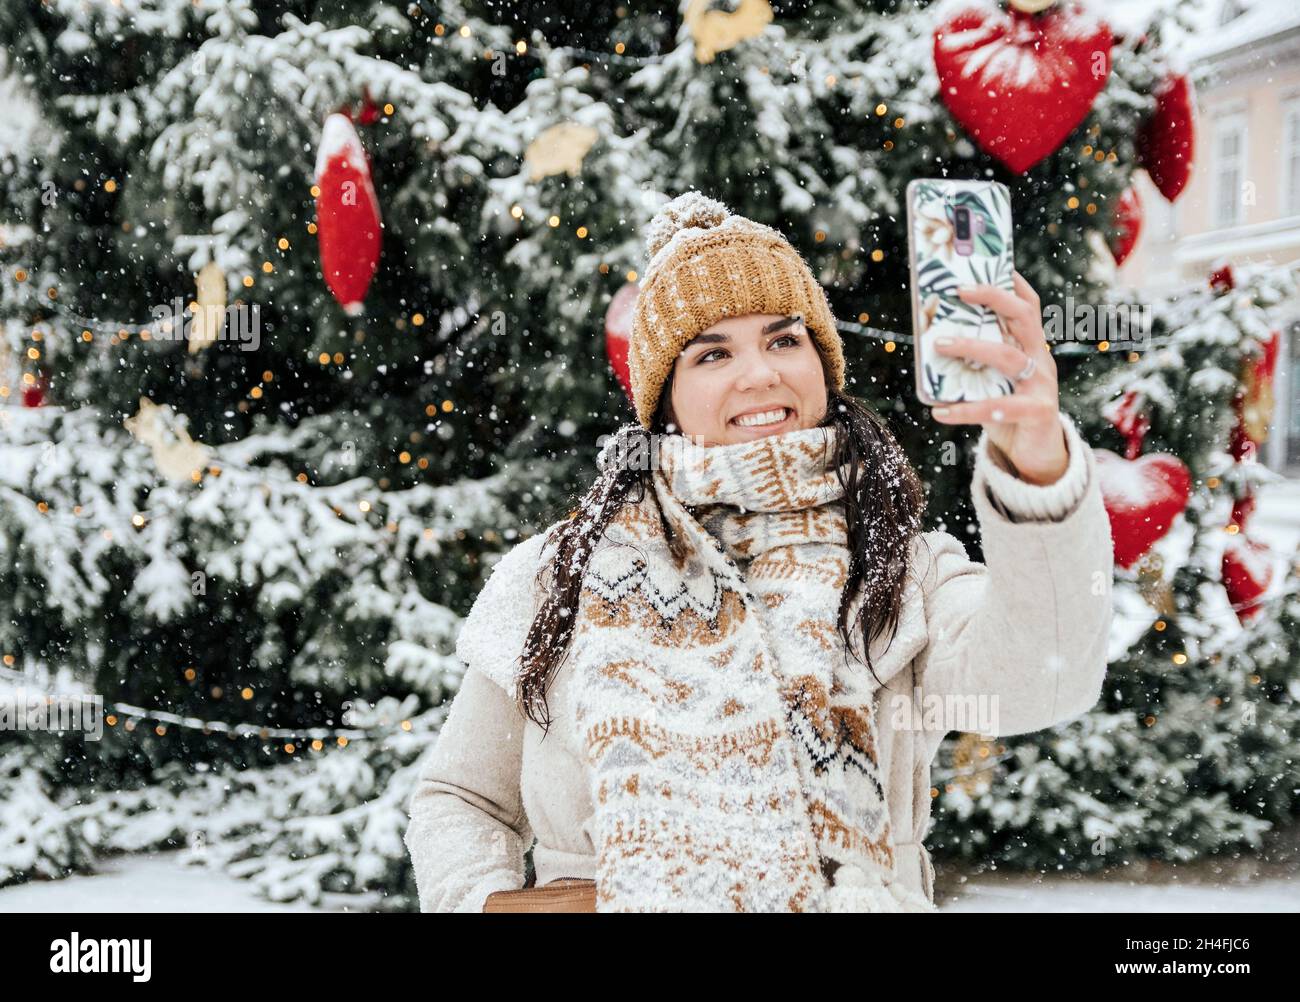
(563, 894)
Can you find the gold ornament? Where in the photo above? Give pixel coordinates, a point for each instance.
(1031, 6)
(716, 31)
(1152, 585)
(177, 456)
(1256, 405)
(972, 770)
(209, 318)
(558, 149)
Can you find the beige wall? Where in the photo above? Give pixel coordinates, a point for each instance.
(1261, 102)
(1179, 241)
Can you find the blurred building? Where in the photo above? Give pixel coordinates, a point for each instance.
(1243, 200)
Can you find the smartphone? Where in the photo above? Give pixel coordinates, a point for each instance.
(958, 233)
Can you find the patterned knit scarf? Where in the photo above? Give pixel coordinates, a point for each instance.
(730, 736)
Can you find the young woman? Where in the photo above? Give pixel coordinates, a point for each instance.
(719, 683)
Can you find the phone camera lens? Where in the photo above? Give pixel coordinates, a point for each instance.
(961, 221)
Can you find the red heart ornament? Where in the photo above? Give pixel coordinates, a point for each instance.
(1143, 497)
(1128, 221)
(1166, 141)
(1246, 572)
(618, 329)
(1019, 83)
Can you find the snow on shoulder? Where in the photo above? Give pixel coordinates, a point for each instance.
(492, 637)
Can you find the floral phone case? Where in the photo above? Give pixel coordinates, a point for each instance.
(959, 233)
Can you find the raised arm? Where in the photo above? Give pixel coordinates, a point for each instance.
(1030, 626)
(468, 832)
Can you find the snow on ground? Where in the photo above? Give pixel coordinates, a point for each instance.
(1266, 879)
(161, 882)
(1245, 885)
(1023, 893)
(158, 882)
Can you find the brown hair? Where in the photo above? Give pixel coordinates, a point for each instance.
(884, 503)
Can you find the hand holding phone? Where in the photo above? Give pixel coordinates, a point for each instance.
(959, 234)
(997, 370)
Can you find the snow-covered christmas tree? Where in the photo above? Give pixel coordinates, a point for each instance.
(310, 309)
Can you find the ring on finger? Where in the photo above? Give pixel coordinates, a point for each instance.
(1030, 365)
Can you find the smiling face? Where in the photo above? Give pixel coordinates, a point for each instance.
(760, 368)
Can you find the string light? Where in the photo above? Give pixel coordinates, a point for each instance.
(859, 329)
(863, 330)
(590, 55)
(163, 719)
(984, 765)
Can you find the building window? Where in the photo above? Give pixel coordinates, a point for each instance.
(1291, 454)
(1291, 158)
(1229, 170)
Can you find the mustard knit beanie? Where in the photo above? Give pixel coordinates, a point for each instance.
(705, 263)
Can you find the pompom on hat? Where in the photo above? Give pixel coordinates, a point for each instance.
(707, 263)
